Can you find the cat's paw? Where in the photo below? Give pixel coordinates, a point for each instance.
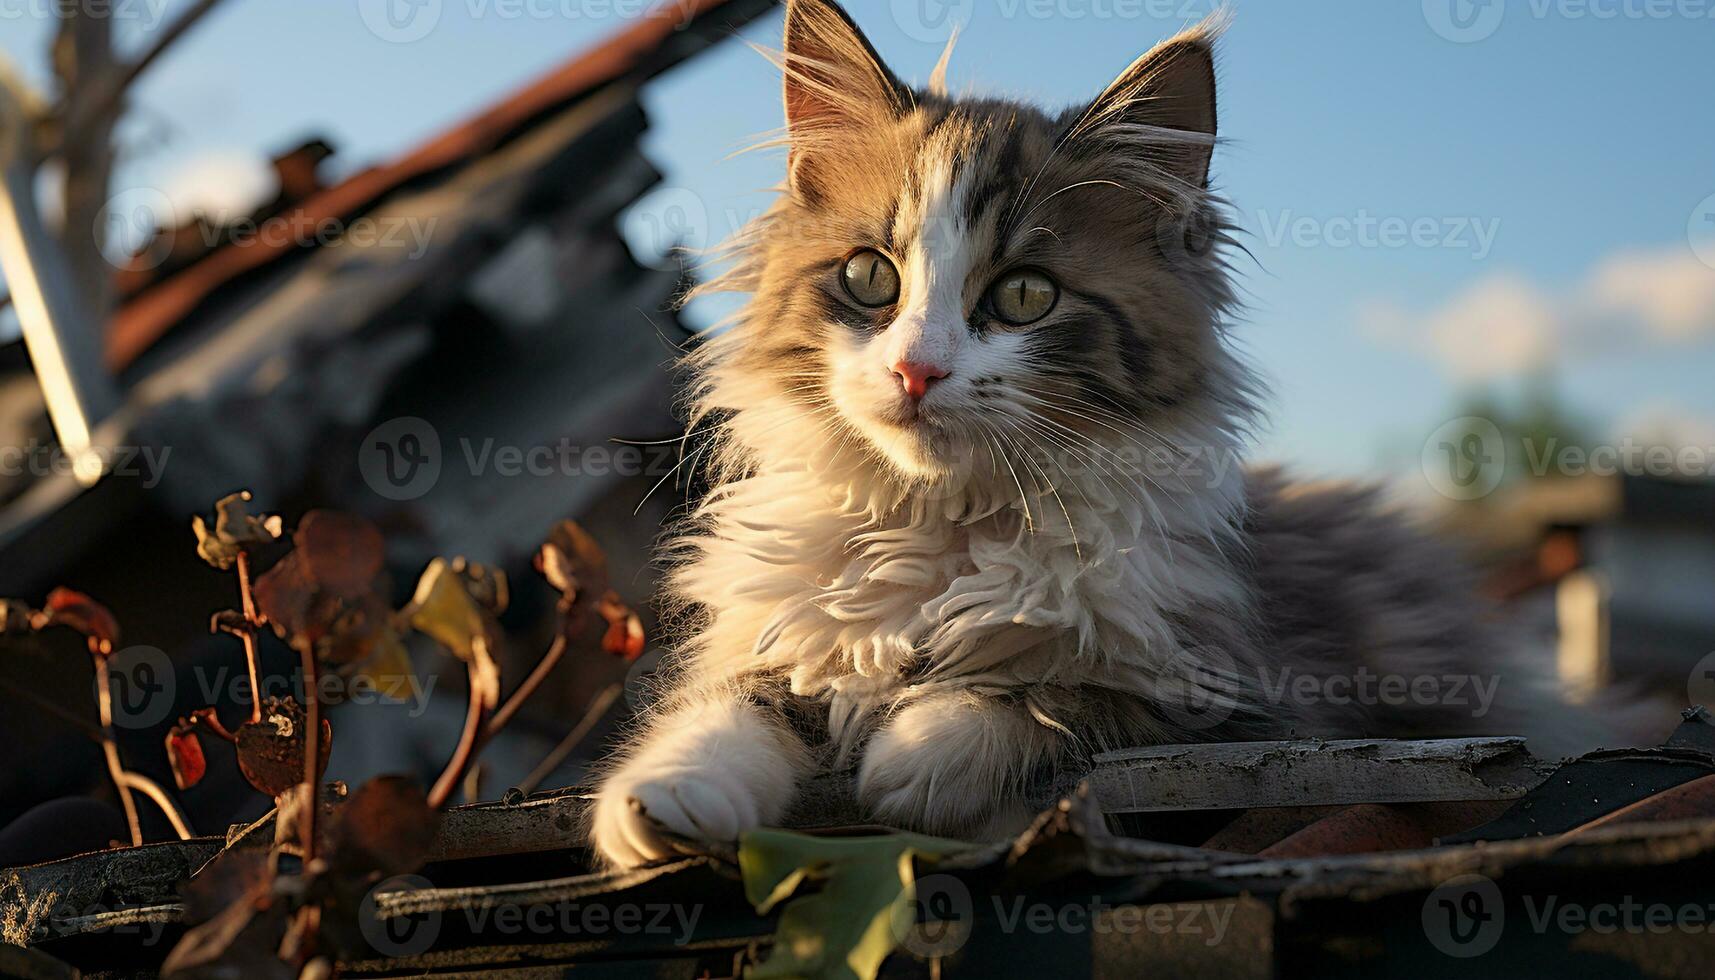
(948, 770)
(636, 819)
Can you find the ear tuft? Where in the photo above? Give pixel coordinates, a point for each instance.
(1172, 87)
(835, 82)
(938, 77)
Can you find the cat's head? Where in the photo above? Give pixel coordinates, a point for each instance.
(947, 279)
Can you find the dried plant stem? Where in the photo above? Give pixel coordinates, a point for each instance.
(210, 722)
(527, 688)
(312, 748)
(250, 654)
(470, 741)
(593, 714)
(477, 735)
(110, 747)
(143, 784)
(554, 562)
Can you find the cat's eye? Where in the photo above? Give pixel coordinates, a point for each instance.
(1023, 296)
(871, 279)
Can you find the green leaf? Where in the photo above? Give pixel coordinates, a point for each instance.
(846, 927)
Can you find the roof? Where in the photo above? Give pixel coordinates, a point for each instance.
(1297, 892)
(265, 359)
(648, 47)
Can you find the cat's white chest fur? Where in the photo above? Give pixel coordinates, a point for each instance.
(866, 601)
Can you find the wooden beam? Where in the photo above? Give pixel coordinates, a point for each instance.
(1312, 772)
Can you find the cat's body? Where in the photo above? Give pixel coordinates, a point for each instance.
(975, 484)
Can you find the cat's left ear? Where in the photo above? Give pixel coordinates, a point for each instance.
(1172, 87)
(836, 85)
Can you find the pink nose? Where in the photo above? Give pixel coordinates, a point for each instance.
(916, 378)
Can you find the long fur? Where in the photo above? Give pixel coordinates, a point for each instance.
(1065, 558)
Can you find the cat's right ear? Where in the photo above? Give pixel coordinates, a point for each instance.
(836, 85)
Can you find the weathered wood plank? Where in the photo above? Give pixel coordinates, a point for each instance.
(1312, 772)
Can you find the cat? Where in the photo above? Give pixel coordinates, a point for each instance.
(975, 513)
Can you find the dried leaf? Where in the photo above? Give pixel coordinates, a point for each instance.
(325, 593)
(486, 584)
(235, 529)
(235, 875)
(271, 751)
(184, 755)
(386, 826)
(388, 670)
(360, 626)
(69, 608)
(572, 561)
(287, 598)
(236, 921)
(342, 553)
(624, 636)
(214, 948)
(444, 610)
(556, 566)
(15, 617)
(229, 621)
(289, 816)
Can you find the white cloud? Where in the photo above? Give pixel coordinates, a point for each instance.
(1671, 294)
(222, 184)
(1504, 325)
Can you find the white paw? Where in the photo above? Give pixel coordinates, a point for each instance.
(951, 767)
(937, 789)
(636, 818)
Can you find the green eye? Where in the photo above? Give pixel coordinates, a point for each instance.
(871, 279)
(1023, 296)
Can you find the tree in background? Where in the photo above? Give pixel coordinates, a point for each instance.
(1533, 425)
(73, 128)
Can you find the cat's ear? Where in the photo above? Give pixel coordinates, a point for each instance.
(1172, 88)
(835, 84)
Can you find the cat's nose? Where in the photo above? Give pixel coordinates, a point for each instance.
(916, 378)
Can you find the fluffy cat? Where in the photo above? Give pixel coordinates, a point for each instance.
(975, 514)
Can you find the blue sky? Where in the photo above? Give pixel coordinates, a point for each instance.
(1432, 201)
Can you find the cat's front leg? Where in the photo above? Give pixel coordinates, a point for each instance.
(955, 765)
(708, 768)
